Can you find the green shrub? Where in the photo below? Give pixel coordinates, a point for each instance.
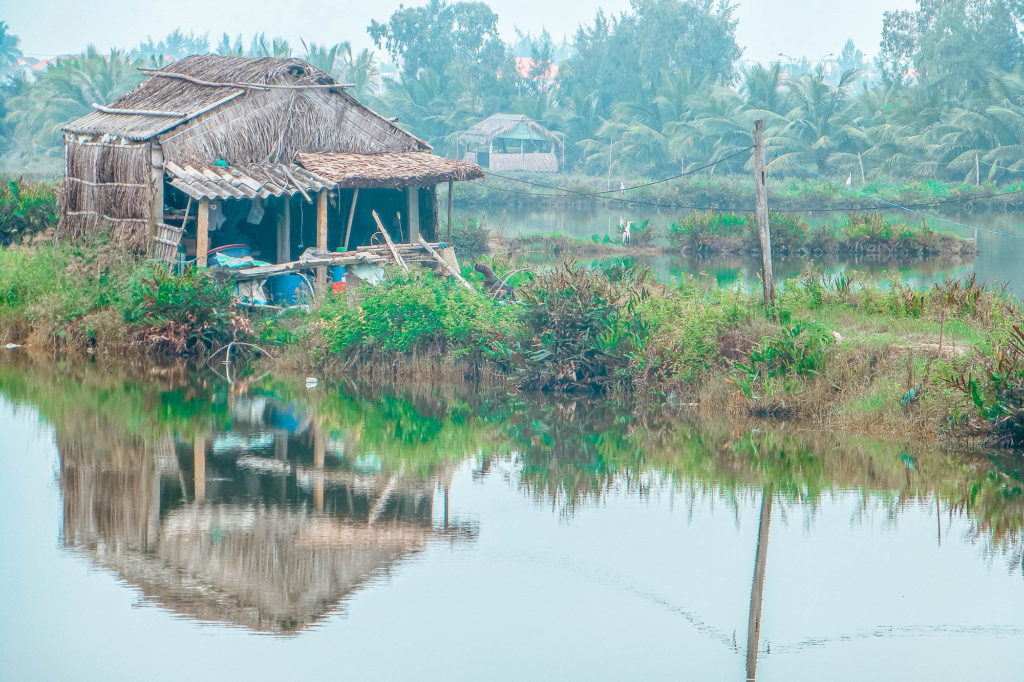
(191, 313)
(582, 333)
(26, 208)
(470, 238)
(798, 350)
(419, 311)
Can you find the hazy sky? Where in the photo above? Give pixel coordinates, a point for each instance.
(810, 28)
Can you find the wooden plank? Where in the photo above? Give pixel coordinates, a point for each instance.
(391, 244)
(413, 212)
(284, 230)
(258, 271)
(203, 233)
(452, 271)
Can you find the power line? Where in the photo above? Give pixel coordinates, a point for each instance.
(895, 205)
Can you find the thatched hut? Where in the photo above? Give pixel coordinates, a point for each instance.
(217, 150)
(511, 142)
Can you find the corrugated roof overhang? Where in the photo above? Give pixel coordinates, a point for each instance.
(244, 181)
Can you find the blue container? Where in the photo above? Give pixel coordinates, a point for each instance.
(288, 289)
(337, 273)
(234, 250)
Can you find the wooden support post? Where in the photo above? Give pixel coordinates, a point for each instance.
(199, 467)
(203, 233)
(860, 160)
(351, 215)
(321, 237)
(977, 172)
(761, 191)
(157, 178)
(284, 231)
(451, 192)
(413, 195)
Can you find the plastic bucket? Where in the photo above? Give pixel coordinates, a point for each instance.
(288, 289)
(337, 278)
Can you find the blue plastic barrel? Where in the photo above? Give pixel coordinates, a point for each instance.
(288, 289)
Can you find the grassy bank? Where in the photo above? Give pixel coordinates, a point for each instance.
(946, 362)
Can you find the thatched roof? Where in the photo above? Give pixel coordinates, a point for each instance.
(244, 181)
(407, 169)
(165, 101)
(501, 125)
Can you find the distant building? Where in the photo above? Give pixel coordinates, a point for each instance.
(511, 142)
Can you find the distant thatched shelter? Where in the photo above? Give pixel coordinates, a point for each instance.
(221, 150)
(511, 142)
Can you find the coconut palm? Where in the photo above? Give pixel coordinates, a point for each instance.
(10, 52)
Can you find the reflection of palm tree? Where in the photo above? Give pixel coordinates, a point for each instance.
(757, 589)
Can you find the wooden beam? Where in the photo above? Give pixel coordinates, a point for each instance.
(451, 271)
(391, 244)
(245, 84)
(203, 233)
(413, 195)
(284, 231)
(138, 112)
(351, 215)
(321, 235)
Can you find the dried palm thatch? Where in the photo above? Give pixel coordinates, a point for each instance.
(410, 169)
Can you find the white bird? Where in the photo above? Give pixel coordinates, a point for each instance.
(625, 233)
(849, 180)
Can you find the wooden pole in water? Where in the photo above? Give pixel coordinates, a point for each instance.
(451, 192)
(319, 449)
(977, 172)
(203, 233)
(757, 589)
(761, 192)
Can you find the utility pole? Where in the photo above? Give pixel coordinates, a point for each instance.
(977, 172)
(861, 162)
(761, 191)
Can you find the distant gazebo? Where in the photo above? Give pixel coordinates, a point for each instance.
(511, 142)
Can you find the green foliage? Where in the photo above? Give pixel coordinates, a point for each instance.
(996, 387)
(194, 311)
(470, 238)
(800, 350)
(582, 330)
(418, 312)
(26, 208)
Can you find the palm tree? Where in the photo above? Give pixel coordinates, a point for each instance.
(10, 53)
(818, 130)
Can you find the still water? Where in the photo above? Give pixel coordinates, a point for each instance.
(998, 261)
(169, 527)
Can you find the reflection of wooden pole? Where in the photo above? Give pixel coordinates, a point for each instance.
(203, 233)
(757, 590)
(199, 467)
(319, 449)
(351, 215)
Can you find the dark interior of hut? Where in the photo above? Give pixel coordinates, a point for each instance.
(254, 224)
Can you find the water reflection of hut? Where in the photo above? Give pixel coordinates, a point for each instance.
(215, 151)
(272, 549)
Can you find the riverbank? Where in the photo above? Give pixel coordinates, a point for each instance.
(705, 234)
(946, 363)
